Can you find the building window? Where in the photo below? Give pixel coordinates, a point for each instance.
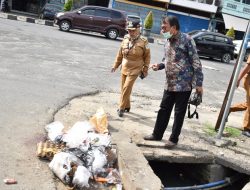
(210, 2)
(246, 2)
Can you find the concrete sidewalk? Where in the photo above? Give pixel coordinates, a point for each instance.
(195, 146)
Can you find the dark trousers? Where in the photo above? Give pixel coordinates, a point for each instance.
(180, 100)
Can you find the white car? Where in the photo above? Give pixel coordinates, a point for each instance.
(237, 44)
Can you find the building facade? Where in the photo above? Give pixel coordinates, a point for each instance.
(236, 14)
(34, 6)
(31, 6)
(193, 14)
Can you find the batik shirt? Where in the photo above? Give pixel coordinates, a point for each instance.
(182, 64)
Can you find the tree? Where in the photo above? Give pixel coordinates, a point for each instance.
(68, 5)
(148, 22)
(230, 33)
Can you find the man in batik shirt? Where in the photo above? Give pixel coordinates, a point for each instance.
(183, 72)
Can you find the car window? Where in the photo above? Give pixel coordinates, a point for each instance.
(116, 14)
(102, 13)
(88, 12)
(52, 7)
(134, 18)
(208, 38)
(221, 39)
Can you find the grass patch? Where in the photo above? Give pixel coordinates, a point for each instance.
(208, 128)
(234, 132)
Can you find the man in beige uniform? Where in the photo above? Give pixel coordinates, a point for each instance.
(134, 58)
(245, 73)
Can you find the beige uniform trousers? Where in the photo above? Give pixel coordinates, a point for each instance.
(246, 105)
(127, 82)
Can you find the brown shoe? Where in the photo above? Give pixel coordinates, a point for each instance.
(151, 138)
(170, 144)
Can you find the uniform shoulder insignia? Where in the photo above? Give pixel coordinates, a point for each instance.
(143, 38)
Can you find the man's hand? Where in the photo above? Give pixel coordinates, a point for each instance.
(155, 66)
(199, 89)
(113, 70)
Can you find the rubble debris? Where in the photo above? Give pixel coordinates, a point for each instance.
(47, 149)
(100, 121)
(10, 181)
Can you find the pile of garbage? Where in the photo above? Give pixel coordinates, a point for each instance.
(82, 157)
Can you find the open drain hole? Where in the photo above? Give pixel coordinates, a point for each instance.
(189, 175)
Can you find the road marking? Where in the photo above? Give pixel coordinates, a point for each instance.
(210, 68)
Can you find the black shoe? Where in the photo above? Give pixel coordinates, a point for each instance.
(127, 109)
(246, 133)
(120, 112)
(169, 144)
(151, 138)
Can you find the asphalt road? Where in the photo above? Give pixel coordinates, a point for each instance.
(42, 68)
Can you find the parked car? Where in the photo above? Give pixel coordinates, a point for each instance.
(237, 44)
(213, 45)
(107, 21)
(135, 18)
(50, 10)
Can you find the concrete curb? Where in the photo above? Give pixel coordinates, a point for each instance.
(26, 19)
(135, 170)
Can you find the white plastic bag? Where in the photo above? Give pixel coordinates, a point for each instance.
(60, 164)
(54, 130)
(100, 159)
(97, 139)
(77, 134)
(81, 177)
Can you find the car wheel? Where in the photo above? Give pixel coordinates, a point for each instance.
(64, 25)
(226, 57)
(112, 34)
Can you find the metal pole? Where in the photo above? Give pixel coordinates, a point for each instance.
(232, 89)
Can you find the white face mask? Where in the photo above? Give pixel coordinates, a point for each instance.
(167, 35)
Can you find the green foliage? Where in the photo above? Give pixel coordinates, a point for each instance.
(230, 33)
(148, 22)
(68, 5)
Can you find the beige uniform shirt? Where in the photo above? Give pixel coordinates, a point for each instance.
(134, 57)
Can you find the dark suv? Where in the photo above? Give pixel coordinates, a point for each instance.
(213, 45)
(49, 11)
(109, 22)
